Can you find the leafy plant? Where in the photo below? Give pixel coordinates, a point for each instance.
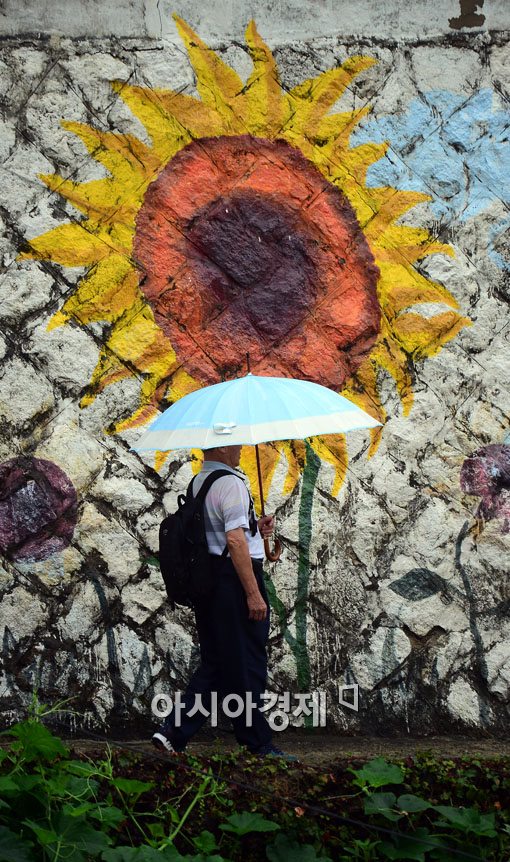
(241, 824)
(284, 849)
(377, 773)
(125, 807)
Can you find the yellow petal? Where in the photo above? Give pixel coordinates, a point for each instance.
(313, 98)
(137, 340)
(424, 336)
(333, 449)
(391, 205)
(361, 157)
(390, 355)
(181, 384)
(400, 286)
(146, 413)
(69, 244)
(109, 201)
(109, 369)
(295, 454)
(200, 120)
(105, 293)
(167, 133)
(151, 394)
(197, 459)
(269, 457)
(265, 105)
(160, 459)
(219, 86)
(363, 391)
(124, 156)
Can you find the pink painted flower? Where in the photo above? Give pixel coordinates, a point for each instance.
(486, 474)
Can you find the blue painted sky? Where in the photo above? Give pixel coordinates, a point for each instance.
(454, 149)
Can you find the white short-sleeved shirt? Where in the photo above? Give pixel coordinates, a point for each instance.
(227, 506)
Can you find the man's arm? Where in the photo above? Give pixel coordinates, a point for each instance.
(240, 555)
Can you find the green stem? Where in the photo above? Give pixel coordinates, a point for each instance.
(298, 643)
(128, 810)
(198, 796)
(310, 474)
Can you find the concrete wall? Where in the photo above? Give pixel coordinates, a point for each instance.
(387, 172)
(282, 21)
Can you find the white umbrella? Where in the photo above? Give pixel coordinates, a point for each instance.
(251, 410)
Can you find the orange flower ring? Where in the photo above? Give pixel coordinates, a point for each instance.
(244, 247)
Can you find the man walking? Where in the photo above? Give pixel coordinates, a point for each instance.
(233, 625)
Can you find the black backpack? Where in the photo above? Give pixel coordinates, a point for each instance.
(183, 552)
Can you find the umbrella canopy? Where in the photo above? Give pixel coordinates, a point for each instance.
(251, 410)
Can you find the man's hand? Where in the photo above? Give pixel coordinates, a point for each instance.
(266, 526)
(257, 608)
(240, 555)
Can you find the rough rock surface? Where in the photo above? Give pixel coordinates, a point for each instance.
(397, 580)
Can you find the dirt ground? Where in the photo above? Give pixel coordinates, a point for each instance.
(321, 749)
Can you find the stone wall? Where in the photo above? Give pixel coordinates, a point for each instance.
(366, 179)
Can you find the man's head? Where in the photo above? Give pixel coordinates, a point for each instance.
(229, 455)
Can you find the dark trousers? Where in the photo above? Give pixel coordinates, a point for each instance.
(233, 659)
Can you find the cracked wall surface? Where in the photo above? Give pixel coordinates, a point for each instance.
(337, 206)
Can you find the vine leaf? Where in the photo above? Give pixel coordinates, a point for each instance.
(419, 584)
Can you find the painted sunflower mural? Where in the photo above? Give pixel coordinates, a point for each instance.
(247, 227)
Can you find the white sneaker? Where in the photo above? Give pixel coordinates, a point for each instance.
(162, 743)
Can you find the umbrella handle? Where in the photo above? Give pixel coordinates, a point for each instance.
(273, 555)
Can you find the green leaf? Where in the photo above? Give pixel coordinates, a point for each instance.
(382, 803)
(171, 854)
(80, 768)
(75, 832)
(468, 820)
(107, 815)
(205, 842)
(411, 847)
(242, 824)
(447, 853)
(13, 848)
(83, 788)
(28, 783)
(60, 784)
(144, 853)
(284, 849)
(377, 773)
(44, 836)
(78, 810)
(410, 803)
(37, 741)
(152, 561)
(121, 854)
(131, 786)
(200, 858)
(419, 584)
(7, 785)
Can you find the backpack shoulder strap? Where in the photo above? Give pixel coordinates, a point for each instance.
(216, 474)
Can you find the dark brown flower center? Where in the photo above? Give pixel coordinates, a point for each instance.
(253, 250)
